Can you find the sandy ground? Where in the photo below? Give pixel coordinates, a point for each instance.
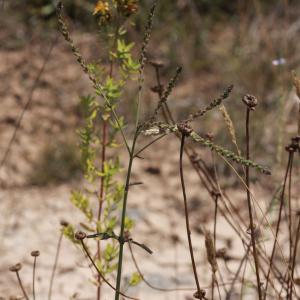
(30, 215)
(31, 221)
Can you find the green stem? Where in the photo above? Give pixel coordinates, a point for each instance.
(120, 262)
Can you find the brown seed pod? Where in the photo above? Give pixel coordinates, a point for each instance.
(16, 268)
(251, 101)
(80, 235)
(35, 253)
(64, 223)
(185, 128)
(156, 64)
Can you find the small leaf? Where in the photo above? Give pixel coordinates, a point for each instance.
(135, 279)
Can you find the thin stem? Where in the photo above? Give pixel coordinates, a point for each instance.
(148, 145)
(147, 282)
(33, 278)
(28, 101)
(278, 224)
(294, 258)
(244, 259)
(253, 241)
(187, 223)
(98, 271)
(215, 240)
(101, 195)
(55, 265)
(290, 225)
(121, 235)
(21, 286)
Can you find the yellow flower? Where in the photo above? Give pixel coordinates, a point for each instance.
(101, 8)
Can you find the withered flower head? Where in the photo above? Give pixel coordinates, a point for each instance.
(64, 223)
(250, 101)
(35, 253)
(16, 268)
(185, 128)
(80, 235)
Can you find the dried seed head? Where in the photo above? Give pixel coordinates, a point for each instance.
(250, 101)
(64, 223)
(185, 128)
(35, 253)
(156, 64)
(16, 268)
(210, 251)
(80, 235)
(199, 294)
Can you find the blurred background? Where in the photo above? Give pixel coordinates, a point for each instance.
(252, 44)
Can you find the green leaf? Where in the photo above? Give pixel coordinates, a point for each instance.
(129, 223)
(135, 279)
(82, 202)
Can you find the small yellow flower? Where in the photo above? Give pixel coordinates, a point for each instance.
(101, 8)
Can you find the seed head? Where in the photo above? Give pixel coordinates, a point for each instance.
(80, 235)
(156, 64)
(16, 268)
(35, 253)
(250, 101)
(64, 223)
(185, 128)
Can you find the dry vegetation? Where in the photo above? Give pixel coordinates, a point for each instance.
(179, 153)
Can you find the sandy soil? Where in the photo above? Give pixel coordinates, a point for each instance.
(30, 216)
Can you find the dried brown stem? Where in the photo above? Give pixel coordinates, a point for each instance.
(21, 286)
(54, 265)
(278, 224)
(187, 222)
(100, 274)
(253, 240)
